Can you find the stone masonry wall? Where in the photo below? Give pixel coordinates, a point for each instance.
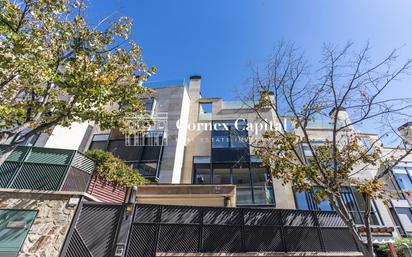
(47, 234)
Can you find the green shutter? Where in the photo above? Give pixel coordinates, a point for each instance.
(14, 227)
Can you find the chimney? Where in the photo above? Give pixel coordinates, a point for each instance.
(194, 87)
(406, 132)
(343, 116)
(267, 96)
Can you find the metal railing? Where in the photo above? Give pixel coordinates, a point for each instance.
(38, 168)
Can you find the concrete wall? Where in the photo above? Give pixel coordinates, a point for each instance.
(191, 195)
(174, 102)
(47, 234)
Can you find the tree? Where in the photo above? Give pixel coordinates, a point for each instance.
(348, 84)
(56, 69)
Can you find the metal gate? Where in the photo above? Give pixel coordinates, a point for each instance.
(201, 229)
(187, 229)
(93, 231)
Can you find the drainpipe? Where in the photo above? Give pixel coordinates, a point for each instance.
(125, 224)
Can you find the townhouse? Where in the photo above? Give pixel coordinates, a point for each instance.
(197, 153)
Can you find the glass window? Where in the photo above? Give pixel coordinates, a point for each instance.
(148, 169)
(201, 159)
(14, 227)
(323, 205)
(374, 217)
(100, 137)
(148, 104)
(202, 174)
(252, 184)
(220, 139)
(405, 218)
(353, 200)
(301, 201)
(254, 158)
(404, 181)
(99, 141)
(227, 134)
(397, 222)
(262, 186)
(241, 178)
(238, 139)
(221, 175)
(306, 149)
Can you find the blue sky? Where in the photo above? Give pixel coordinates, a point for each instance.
(218, 38)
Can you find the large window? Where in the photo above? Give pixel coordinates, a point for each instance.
(148, 104)
(253, 184)
(229, 134)
(143, 154)
(402, 175)
(352, 198)
(403, 220)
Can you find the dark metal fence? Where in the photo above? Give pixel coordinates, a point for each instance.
(93, 231)
(200, 229)
(185, 229)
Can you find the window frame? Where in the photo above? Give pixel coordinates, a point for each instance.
(231, 167)
(350, 193)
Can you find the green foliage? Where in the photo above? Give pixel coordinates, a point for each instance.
(115, 170)
(55, 69)
(398, 246)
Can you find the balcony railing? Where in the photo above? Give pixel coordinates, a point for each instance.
(37, 168)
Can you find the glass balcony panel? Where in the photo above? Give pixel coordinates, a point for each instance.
(221, 176)
(263, 194)
(202, 174)
(243, 195)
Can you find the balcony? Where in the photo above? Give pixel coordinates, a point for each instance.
(36, 168)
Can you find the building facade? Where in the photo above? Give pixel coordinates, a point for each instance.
(199, 152)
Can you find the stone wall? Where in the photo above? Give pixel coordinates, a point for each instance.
(47, 234)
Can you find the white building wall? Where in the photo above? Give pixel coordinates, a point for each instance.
(68, 138)
(181, 139)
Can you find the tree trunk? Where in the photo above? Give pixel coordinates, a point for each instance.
(344, 214)
(6, 153)
(366, 216)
